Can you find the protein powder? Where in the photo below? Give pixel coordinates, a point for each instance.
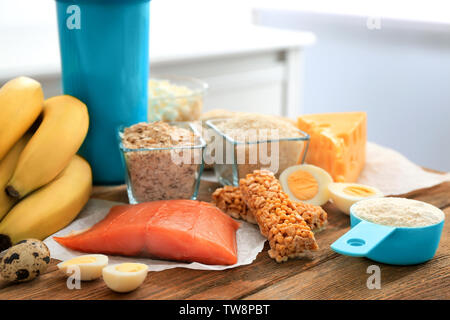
(398, 212)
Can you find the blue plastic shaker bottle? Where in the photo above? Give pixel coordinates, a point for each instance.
(105, 63)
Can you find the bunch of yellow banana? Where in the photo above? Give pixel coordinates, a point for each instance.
(43, 183)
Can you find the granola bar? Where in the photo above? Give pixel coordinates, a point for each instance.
(229, 200)
(315, 216)
(277, 216)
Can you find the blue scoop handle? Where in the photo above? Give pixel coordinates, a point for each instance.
(361, 239)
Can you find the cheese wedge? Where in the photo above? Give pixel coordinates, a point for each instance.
(338, 143)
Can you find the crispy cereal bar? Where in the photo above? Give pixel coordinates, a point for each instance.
(315, 216)
(229, 200)
(277, 216)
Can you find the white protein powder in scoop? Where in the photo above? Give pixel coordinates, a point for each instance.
(398, 212)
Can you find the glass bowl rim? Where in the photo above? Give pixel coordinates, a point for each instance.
(209, 123)
(161, 77)
(200, 145)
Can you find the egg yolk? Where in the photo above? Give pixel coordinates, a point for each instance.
(358, 191)
(80, 260)
(129, 267)
(303, 185)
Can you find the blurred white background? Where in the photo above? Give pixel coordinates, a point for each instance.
(399, 73)
(390, 58)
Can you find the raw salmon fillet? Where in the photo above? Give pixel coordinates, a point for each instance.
(183, 230)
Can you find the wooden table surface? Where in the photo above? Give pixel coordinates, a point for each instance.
(327, 276)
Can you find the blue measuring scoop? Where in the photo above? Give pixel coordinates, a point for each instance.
(390, 245)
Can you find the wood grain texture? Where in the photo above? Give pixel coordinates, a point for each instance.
(327, 275)
(346, 279)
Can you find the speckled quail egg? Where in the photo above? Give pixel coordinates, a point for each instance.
(87, 267)
(344, 195)
(25, 261)
(306, 183)
(125, 277)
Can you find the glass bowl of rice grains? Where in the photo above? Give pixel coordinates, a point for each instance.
(175, 98)
(249, 142)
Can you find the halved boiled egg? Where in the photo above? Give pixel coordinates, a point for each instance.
(85, 268)
(344, 195)
(125, 277)
(306, 183)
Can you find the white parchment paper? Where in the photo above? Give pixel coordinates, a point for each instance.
(249, 241)
(389, 171)
(394, 174)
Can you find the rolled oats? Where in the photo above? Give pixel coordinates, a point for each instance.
(155, 173)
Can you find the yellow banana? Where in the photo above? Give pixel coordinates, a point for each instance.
(64, 126)
(7, 165)
(21, 101)
(50, 208)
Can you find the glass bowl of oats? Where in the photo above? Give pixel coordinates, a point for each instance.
(163, 160)
(240, 145)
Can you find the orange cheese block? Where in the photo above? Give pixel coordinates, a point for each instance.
(338, 143)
